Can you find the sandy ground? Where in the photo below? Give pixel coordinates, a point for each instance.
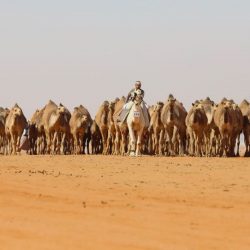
(97, 202)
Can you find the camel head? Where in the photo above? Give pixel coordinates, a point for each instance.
(84, 118)
(171, 100)
(117, 99)
(245, 102)
(197, 106)
(138, 100)
(105, 106)
(159, 106)
(17, 111)
(198, 112)
(82, 121)
(235, 106)
(6, 112)
(61, 110)
(227, 104)
(112, 106)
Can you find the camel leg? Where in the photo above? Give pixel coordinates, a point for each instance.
(248, 145)
(4, 145)
(75, 141)
(1, 144)
(218, 145)
(109, 142)
(232, 144)
(200, 144)
(39, 145)
(246, 142)
(211, 144)
(167, 143)
(43, 144)
(113, 142)
(189, 141)
(88, 145)
(132, 141)
(13, 143)
(153, 143)
(117, 142)
(227, 146)
(238, 146)
(192, 144)
(104, 142)
(157, 141)
(80, 144)
(175, 141)
(150, 149)
(48, 143)
(161, 144)
(93, 144)
(124, 143)
(60, 143)
(170, 141)
(223, 146)
(8, 146)
(54, 143)
(63, 146)
(182, 142)
(139, 142)
(195, 144)
(18, 142)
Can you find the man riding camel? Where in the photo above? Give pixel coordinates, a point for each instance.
(129, 103)
(132, 94)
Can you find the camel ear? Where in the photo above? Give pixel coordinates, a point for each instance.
(217, 105)
(193, 104)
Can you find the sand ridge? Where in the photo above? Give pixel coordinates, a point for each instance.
(108, 202)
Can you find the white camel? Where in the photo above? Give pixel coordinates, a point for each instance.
(136, 123)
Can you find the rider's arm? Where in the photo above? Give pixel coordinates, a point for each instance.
(129, 95)
(143, 93)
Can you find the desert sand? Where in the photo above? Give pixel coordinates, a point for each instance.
(107, 202)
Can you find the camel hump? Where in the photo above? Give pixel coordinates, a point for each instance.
(16, 105)
(50, 102)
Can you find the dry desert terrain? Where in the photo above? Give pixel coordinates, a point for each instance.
(113, 203)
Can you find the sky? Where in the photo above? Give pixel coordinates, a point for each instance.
(84, 52)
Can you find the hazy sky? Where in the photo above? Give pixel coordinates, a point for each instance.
(83, 52)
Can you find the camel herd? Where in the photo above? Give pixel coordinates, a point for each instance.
(207, 129)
